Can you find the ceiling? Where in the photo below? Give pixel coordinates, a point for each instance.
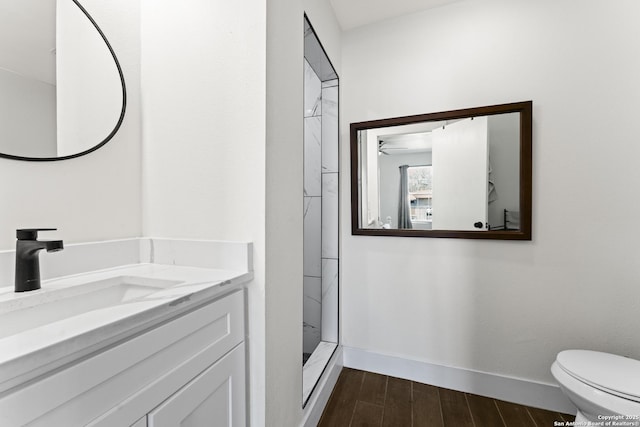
(354, 13)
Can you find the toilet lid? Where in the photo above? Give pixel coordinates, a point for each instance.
(610, 373)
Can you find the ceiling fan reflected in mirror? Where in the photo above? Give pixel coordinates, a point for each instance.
(384, 150)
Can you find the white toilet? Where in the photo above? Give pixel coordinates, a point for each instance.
(599, 384)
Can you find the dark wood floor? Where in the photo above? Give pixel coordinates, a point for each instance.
(367, 399)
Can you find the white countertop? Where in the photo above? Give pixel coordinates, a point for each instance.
(27, 353)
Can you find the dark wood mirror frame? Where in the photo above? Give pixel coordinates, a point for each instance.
(523, 233)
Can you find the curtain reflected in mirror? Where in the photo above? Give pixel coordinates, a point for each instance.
(463, 173)
(404, 204)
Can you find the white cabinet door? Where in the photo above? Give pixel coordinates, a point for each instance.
(215, 398)
(460, 178)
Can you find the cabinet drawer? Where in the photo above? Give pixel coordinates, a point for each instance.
(214, 398)
(157, 362)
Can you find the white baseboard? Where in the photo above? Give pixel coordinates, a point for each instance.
(529, 393)
(320, 396)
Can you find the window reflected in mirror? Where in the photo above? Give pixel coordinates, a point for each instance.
(420, 196)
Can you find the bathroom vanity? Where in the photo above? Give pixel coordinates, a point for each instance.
(144, 344)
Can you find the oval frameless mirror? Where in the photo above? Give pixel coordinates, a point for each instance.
(62, 91)
(463, 173)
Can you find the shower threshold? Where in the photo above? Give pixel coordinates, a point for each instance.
(314, 367)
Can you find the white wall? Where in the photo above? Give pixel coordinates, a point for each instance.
(284, 215)
(95, 197)
(203, 68)
(495, 306)
(223, 141)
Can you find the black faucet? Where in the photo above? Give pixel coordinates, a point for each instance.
(27, 262)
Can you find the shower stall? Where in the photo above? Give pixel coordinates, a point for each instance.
(321, 210)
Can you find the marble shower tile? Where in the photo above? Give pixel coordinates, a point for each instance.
(313, 290)
(313, 156)
(310, 336)
(312, 236)
(330, 83)
(330, 133)
(329, 300)
(330, 215)
(312, 92)
(312, 313)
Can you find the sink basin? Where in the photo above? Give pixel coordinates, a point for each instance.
(38, 308)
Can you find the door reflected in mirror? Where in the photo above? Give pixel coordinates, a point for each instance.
(463, 173)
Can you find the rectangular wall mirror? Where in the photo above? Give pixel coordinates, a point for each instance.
(461, 174)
